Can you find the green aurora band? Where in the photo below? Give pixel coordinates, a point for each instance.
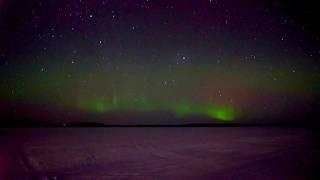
(142, 104)
(226, 93)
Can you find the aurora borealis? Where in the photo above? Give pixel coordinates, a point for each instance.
(229, 61)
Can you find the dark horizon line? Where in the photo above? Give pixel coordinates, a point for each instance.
(94, 124)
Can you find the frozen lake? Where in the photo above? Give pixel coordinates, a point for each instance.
(163, 152)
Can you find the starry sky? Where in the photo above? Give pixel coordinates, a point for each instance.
(236, 61)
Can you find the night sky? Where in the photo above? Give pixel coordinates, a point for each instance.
(227, 61)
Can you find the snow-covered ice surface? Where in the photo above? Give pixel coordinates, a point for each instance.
(169, 153)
